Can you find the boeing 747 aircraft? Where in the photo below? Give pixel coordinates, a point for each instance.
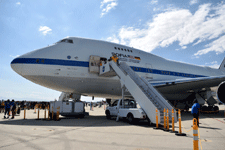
(72, 66)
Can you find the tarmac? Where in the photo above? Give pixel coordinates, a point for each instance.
(95, 132)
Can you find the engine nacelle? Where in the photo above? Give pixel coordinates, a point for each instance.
(221, 92)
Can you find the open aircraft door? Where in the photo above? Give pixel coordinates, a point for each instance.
(148, 73)
(94, 64)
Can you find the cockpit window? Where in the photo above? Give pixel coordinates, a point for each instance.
(66, 41)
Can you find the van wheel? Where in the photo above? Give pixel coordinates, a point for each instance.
(108, 115)
(130, 119)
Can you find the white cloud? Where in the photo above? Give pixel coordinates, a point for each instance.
(192, 2)
(218, 46)
(213, 64)
(45, 30)
(113, 39)
(154, 2)
(107, 5)
(184, 47)
(179, 25)
(18, 3)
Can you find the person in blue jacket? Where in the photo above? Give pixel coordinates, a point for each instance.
(7, 108)
(195, 110)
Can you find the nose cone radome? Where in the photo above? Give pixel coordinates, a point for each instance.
(17, 65)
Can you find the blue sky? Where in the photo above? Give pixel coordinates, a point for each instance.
(191, 31)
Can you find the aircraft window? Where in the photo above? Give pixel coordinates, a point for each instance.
(66, 41)
(115, 47)
(131, 51)
(118, 48)
(125, 49)
(70, 41)
(121, 49)
(128, 50)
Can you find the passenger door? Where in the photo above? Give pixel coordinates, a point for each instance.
(113, 110)
(94, 64)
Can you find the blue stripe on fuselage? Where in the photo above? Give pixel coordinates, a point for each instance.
(86, 64)
(50, 62)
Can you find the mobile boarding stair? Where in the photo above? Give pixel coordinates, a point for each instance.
(143, 92)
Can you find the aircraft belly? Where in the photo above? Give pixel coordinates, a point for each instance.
(80, 85)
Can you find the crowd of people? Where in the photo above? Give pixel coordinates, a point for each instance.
(12, 107)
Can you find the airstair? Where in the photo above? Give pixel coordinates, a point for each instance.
(142, 91)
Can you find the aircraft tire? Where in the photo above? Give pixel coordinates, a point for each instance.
(81, 116)
(210, 108)
(130, 119)
(216, 108)
(108, 115)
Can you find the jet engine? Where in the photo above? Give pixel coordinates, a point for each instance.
(221, 92)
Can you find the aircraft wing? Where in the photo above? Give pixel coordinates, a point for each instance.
(187, 84)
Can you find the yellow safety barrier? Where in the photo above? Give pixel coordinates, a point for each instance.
(52, 113)
(173, 130)
(167, 120)
(48, 113)
(195, 135)
(35, 109)
(186, 130)
(157, 120)
(157, 125)
(164, 112)
(38, 115)
(180, 132)
(57, 114)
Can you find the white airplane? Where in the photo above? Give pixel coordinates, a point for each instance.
(72, 67)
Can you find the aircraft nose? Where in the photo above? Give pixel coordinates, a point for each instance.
(17, 65)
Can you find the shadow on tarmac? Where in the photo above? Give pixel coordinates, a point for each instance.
(87, 121)
(99, 121)
(209, 128)
(189, 116)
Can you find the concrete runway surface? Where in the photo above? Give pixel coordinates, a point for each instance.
(95, 132)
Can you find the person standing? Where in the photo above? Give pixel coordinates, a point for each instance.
(90, 105)
(2, 106)
(13, 105)
(195, 110)
(7, 108)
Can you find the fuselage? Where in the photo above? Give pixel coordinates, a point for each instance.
(65, 66)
